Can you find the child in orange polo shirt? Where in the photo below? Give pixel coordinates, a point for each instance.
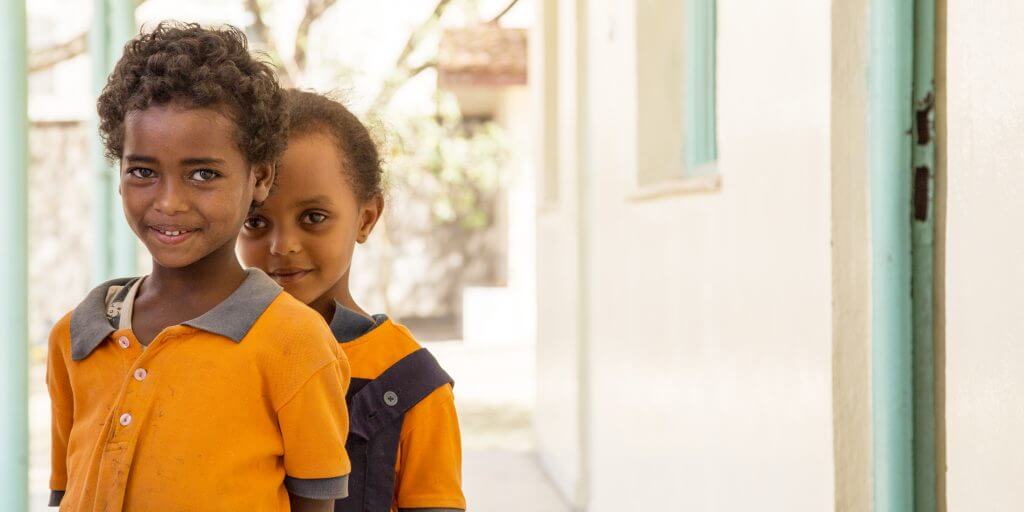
(404, 440)
(200, 386)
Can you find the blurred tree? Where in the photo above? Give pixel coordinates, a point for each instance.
(41, 59)
(452, 165)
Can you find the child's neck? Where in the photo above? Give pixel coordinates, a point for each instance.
(170, 296)
(213, 278)
(338, 293)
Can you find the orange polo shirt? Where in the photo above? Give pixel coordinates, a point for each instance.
(428, 471)
(229, 411)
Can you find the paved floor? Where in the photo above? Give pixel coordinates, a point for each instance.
(494, 392)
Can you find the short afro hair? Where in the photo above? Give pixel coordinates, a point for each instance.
(202, 68)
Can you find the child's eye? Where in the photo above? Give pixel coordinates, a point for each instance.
(255, 223)
(204, 174)
(313, 218)
(141, 173)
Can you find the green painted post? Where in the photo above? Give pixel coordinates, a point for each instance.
(14, 252)
(120, 28)
(699, 103)
(890, 82)
(103, 207)
(116, 250)
(923, 230)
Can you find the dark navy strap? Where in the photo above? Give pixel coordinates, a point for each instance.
(387, 398)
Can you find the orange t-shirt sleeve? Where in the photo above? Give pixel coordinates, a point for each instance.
(62, 406)
(429, 469)
(314, 426)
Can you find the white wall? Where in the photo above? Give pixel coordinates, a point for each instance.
(708, 318)
(558, 408)
(984, 256)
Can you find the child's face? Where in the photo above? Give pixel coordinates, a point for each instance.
(303, 236)
(185, 185)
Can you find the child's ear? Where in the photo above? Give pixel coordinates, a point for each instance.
(369, 215)
(263, 174)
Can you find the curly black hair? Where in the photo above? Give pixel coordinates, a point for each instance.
(204, 68)
(309, 112)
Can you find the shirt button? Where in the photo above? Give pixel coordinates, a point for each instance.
(126, 419)
(140, 374)
(123, 341)
(391, 398)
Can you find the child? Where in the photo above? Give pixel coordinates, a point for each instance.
(404, 441)
(200, 386)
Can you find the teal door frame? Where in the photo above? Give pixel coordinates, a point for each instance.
(14, 253)
(115, 252)
(901, 170)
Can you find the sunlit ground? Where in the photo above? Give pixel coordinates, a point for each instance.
(494, 390)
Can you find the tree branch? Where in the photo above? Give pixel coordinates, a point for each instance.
(290, 73)
(314, 10)
(504, 11)
(403, 70)
(46, 58)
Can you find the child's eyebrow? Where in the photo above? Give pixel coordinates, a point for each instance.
(321, 199)
(202, 161)
(141, 158)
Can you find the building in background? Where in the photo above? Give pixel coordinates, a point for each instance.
(723, 228)
(485, 67)
(734, 310)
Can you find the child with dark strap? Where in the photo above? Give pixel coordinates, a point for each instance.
(404, 440)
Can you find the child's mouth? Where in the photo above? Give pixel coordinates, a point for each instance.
(171, 235)
(289, 275)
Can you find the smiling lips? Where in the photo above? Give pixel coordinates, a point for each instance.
(289, 275)
(172, 235)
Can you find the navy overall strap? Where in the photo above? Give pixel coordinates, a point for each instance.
(387, 398)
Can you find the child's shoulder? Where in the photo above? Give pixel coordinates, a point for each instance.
(380, 348)
(287, 312)
(289, 327)
(91, 316)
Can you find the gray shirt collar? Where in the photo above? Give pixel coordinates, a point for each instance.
(89, 322)
(232, 318)
(347, 325)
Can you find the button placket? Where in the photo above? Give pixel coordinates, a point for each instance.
(136, 398)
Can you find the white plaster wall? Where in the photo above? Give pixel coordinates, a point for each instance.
(984, 256)
(709, 323)
(557, 413)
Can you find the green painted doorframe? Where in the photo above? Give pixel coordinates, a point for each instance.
(923, 256)
(14, 253)
(901, 169)
(115, 251)
(103, 204)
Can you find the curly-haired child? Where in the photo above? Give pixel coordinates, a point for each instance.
(200, 386)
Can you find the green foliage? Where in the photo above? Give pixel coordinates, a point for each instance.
(454, 163)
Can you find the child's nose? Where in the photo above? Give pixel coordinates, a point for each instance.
(284, 242)
(170, 200)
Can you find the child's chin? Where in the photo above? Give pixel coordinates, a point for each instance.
(175, 259)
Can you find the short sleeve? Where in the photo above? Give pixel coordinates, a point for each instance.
(430, 455)
(58, 383)
(314, 427)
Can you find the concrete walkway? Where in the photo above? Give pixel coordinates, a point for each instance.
(494, 392)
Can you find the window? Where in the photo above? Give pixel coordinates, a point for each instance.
(676, 109)
(700, 146)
